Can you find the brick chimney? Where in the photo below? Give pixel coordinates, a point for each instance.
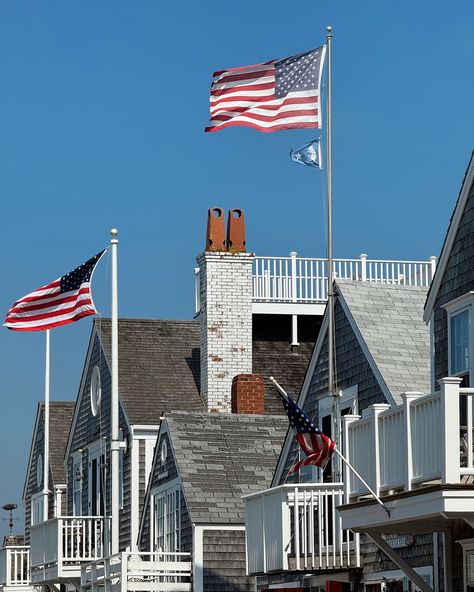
(225, 294)
(248, 394)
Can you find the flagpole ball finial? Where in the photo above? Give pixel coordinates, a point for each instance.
(113, 232)
(329, 29)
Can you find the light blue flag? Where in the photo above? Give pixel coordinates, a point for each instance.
(309, 155)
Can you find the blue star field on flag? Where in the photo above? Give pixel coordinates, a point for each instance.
(309, 155)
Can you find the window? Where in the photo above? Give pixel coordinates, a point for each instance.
(97, 476)
(37, 508)
(460, 337)
(167, 519)
(77, 484)
(95, 391)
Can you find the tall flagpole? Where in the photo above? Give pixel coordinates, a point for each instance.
(46, 427)
(114, 406)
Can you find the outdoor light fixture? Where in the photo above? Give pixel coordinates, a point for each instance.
(10, 508)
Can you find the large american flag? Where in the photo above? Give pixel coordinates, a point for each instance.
(317, 447)
(275, 95)
(63, 301)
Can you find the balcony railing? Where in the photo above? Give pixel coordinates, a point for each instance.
(67, 541)
(15, 566)
(298, 527)
(428, 439)
(135, 572)
(303, 280)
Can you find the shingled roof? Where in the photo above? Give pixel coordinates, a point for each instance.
(158, 365)
(60, 418)
(389, 319)
(221, 457)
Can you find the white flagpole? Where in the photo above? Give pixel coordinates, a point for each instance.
(114, 411)
(46, 427)
(343, 458)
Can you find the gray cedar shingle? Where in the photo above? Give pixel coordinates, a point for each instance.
(390, 320)
(158, 365)
(221, 457)
(60, 418)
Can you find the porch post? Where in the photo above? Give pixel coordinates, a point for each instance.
(378, 408)
(450, 455)
(407, 398)
(347, 420)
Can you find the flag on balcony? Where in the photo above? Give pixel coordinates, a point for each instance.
(309, 155)
(317, 447)
(63, 301)
(275, 95)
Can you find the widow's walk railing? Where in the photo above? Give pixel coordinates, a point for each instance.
(68, 540)
(15, 566)
(427, 439)
(298, 527)
(303, 280)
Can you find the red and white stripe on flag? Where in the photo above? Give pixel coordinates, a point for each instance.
(63, 301)
(275, 95)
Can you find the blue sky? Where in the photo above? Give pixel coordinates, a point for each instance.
(102, 109)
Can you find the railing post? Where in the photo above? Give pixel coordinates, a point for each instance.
(407, 398)
(378, 408)
(8, 572)
(450, 455)
(347, 420)
(197, 290)
(363, 267)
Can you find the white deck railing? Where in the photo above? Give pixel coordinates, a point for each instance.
(303, 280)
(427, 439)
(136, 572)
(298, 527)
(15, 566)
(66, 540)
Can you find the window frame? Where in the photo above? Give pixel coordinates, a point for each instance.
(455, 307)
(37, 508)
(77, 483)
(170, 515)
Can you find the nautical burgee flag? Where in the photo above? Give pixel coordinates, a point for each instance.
(309, 155)
(63, 301)
(317, 447)
(275, 95)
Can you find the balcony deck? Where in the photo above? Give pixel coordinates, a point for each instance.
(15, 569)
(298, 285)
(61, 545)
(298, 527)
(419, 457)
(139, 572)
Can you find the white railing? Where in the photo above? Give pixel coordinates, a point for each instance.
(136, 572)
(66, 540)
(427, 439)
(15, 566)
(298, 527)
(304, 280)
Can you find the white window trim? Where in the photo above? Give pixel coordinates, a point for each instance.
(35, 499)
(467, 549)
(77, 460)
(162, 491)
(397, 574)
(94, 451)
(456, 306)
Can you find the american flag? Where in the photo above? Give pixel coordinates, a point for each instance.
(63, 301)
(317, 447)
(275, 95)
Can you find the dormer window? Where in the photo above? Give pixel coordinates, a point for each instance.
(460, 337)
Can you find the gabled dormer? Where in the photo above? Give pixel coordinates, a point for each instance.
(449, 305)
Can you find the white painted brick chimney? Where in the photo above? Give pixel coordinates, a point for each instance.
(226, 324)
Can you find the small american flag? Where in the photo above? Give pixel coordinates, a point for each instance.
(317, 447)
(275, 95)
(63, 301)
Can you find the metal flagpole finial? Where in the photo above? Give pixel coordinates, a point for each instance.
(114, 234)
(329, 30)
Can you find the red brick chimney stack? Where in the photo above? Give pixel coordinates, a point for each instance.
(248, 394)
